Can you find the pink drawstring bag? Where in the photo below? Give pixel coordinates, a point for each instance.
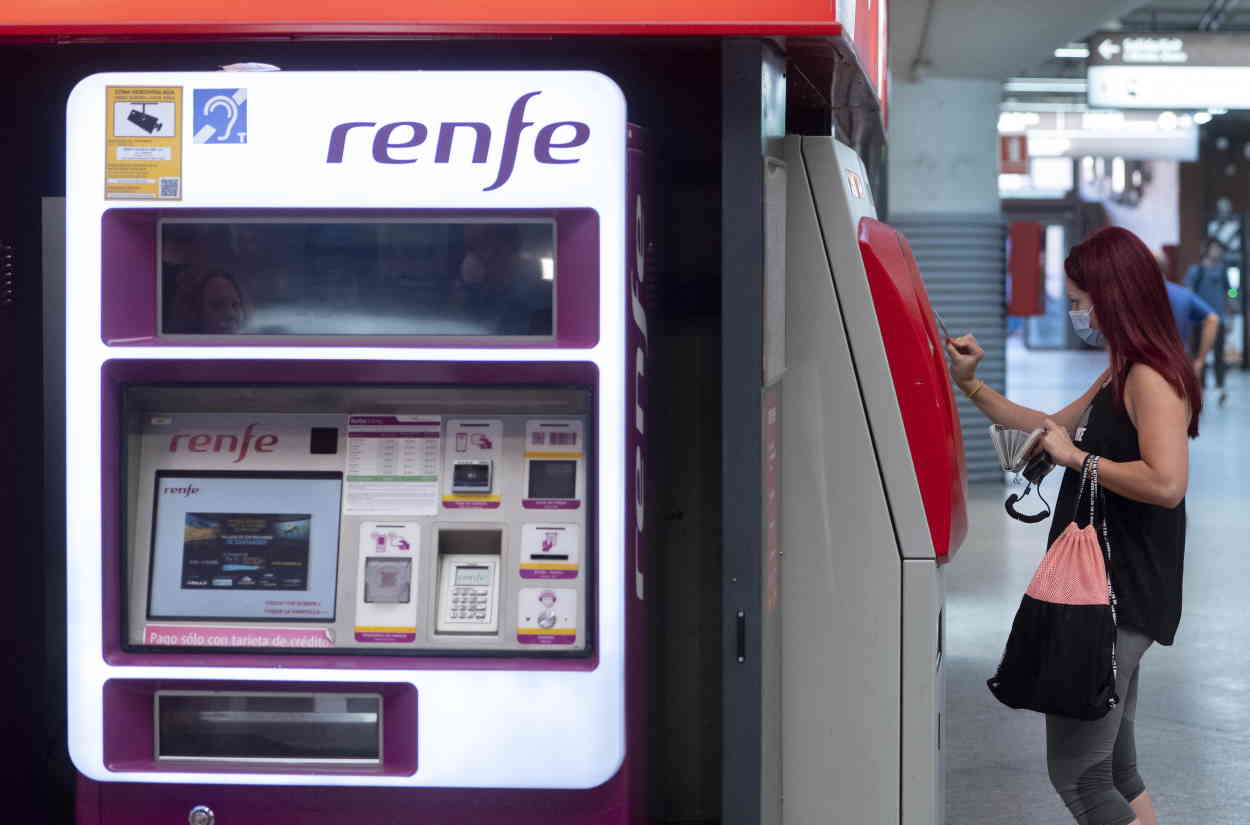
(1060, 655)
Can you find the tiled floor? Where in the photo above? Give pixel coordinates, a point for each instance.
(1193, 717)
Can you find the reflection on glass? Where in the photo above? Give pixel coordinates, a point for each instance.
(471, 278)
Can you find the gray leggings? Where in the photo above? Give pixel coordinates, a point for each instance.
(1093, 765)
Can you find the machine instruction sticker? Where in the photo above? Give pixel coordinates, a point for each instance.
(392, 465)
(554, 453)
(550, 551)
(546, 616)
(386, 604)
(474, 448)
(170, 635)
(143, 154)
(219, 116)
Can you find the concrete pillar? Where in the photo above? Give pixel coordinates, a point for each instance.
(943, 146)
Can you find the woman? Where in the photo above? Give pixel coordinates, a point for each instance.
(1137, 416)
(207, 302)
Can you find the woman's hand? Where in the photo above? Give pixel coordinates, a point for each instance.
(965, 354)
(1058, 445)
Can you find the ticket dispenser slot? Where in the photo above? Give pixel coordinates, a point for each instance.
(233, 726)
(468, 581)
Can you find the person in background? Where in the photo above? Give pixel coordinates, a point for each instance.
(1196, 321)
(1209, 280)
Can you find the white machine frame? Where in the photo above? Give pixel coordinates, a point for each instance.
(284, 165)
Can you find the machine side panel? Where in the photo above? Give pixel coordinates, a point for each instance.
(638, 504)
(841, 583)
(924, 680)
(772, 703)
(840, 189)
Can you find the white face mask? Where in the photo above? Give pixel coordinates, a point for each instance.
(1080, 323)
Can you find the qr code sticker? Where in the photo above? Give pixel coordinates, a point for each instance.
(170, 188)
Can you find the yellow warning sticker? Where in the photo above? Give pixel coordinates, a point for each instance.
(143, 158)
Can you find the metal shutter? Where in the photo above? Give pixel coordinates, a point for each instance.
(963, 261)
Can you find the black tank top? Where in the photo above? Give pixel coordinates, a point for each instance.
(1147, 541)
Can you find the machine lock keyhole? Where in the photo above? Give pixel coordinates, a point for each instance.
(201, 815)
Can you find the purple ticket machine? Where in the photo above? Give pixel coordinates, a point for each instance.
(355, 390)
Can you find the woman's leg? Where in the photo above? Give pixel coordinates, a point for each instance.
(1080, 754)
(1145, 810)
(1124, 760)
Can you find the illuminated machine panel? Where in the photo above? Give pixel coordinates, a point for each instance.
(409, 534)
(384, 456)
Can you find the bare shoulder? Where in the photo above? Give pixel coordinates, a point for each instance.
(1146, 389)
(1145, 379)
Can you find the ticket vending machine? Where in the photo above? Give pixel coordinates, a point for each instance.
(873, 503)
(355, 392)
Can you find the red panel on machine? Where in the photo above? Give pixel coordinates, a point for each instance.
(198, 17)
(917, 359)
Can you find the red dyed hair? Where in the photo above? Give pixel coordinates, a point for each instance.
(1125, 286)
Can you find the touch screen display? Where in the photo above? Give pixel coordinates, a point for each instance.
(553, 479)
(369, 277)
(245, 546)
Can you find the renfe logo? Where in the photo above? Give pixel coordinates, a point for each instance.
(407, 134)
(224, 443)
(188, 490)
(639, 314)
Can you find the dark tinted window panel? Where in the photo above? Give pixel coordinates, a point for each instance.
(553, 479)
(286, 277)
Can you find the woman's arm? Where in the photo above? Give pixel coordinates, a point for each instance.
(1161, 417)
(966, 354)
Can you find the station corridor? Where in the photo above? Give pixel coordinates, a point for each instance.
(1193, 713)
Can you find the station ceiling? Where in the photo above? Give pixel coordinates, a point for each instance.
(997, 39)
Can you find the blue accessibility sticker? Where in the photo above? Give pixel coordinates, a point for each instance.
(220, 116)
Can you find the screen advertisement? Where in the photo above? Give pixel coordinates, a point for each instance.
(245, 546)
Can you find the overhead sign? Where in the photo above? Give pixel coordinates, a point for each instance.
(1168, 49)
(1182, 70)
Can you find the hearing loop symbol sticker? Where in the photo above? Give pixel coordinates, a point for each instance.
(220, 116)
